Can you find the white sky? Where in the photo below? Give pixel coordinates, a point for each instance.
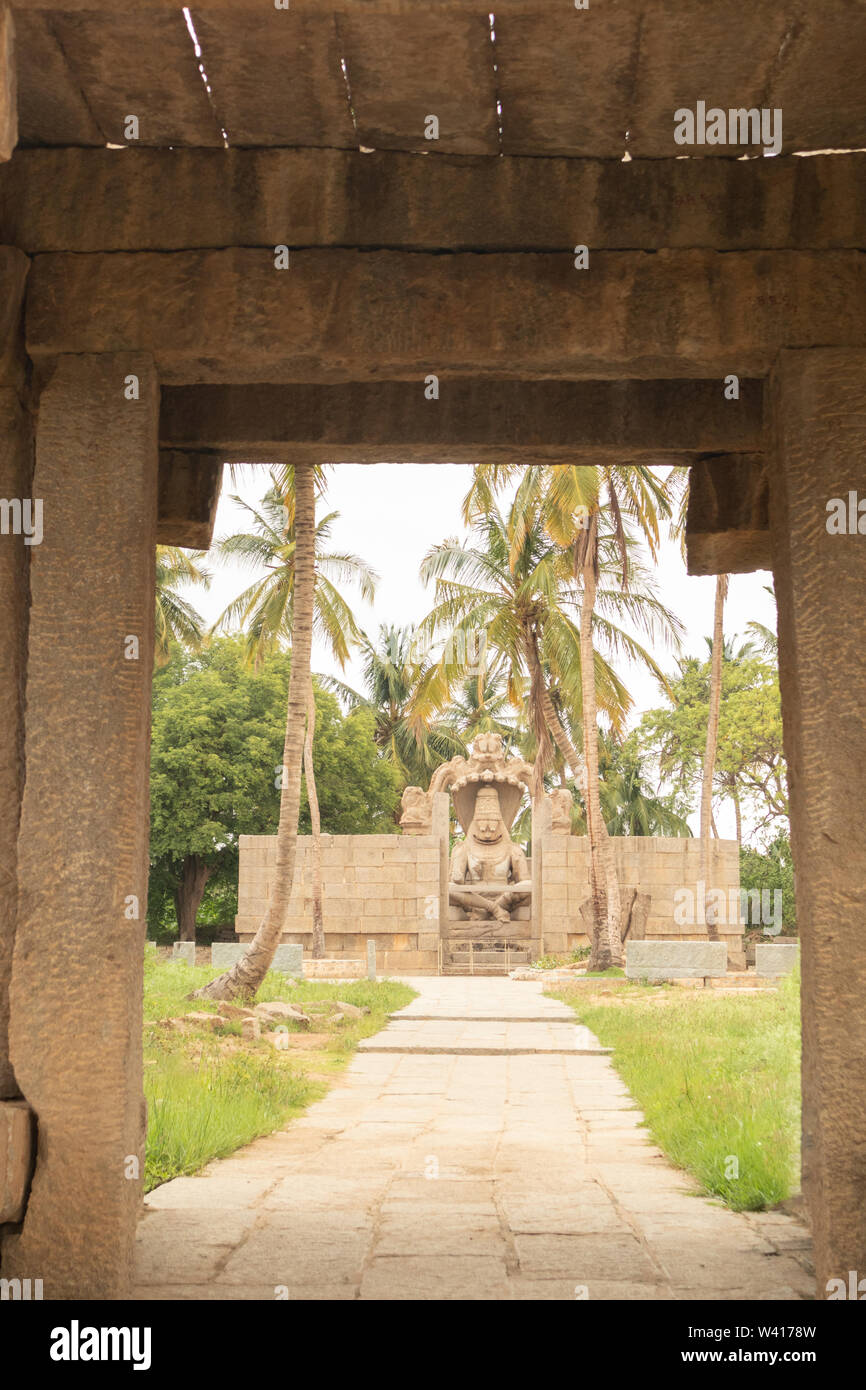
(391, 514)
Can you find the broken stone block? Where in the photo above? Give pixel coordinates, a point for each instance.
(203, 1020)
(251, 1028)
(351, 1010)
(277, 1008)
(234, 1010)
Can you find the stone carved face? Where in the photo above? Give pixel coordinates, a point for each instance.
(487, 823)
(487, 748)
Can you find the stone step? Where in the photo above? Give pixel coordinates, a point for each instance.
(487, 957)
(477, 970)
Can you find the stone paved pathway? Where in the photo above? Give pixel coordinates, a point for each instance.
(480, 1147)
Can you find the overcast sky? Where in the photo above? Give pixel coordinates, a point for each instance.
(391, 514)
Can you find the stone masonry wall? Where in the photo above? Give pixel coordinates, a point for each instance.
(651, 864)
(382, 886)
(391, 888)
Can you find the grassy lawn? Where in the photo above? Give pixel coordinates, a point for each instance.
(717, 1078)
(210, 1092)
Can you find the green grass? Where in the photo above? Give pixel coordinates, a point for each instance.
(199, 1110)
(717, 1078)
(204, 1100)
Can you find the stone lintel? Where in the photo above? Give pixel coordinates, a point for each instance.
(727, 525)
(217, 316)
(88, 200)
(189, 489)
(473, 420)
(362, 8)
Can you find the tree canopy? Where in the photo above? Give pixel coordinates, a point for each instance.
(217, 748)
(750, 766)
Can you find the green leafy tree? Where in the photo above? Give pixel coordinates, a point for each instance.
(217, 746)
(771, 869)
(749, 764)
(628, 803)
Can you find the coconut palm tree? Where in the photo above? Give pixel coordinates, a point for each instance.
(247, 974)
(516, 581)
(590, 513)
(481, 706)
(176, 619)
(764, 639)
(264, 611)
(712, 743)
(628, 805)
(410, 729)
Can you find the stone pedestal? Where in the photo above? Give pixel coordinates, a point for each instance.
(75, 996)
(819, 410)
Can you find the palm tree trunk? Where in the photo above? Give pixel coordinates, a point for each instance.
(247, 974)
(607, 935)
(712, 745)
(316, 828)
(735, 797)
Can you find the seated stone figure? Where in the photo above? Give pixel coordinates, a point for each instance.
(489, 874)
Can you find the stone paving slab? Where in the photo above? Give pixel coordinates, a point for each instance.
(483, 1037)
(461, 1176)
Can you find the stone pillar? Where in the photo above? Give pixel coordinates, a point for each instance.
(8, 84)
(819, 412)
(16, 471)
(542, 829)
(441, 827)
(75, 1032)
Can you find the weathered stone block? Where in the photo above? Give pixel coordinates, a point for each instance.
(771, 959)
(336, 969)
(410, 962)
(183, 950)
(402, 850)
(379, 907)
(288, 957)
(366, 856)
(671, 960)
